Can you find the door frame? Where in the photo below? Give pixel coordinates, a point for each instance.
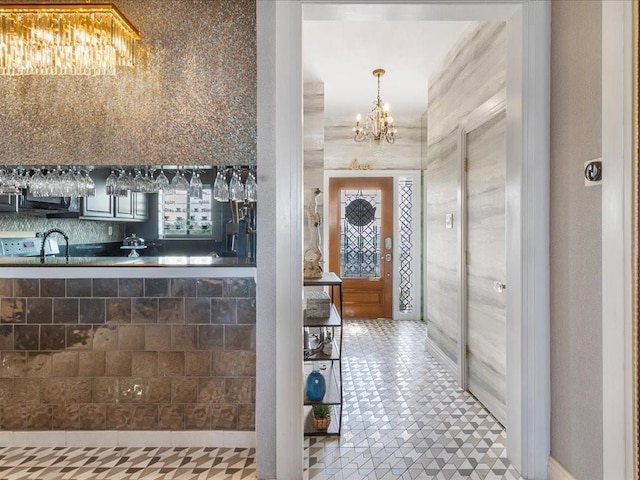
(416, 222)
(618, 419)
(280, 218)
(475, 119)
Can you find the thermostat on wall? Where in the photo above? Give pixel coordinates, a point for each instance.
(593, 172)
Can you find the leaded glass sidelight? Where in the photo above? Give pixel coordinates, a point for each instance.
(406, 246)
(360, 232)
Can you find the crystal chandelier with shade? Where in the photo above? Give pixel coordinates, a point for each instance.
(65, 39)
(378, 124)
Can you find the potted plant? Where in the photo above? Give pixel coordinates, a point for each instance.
(321, 416)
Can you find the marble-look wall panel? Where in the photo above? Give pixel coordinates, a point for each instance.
(486, 307)
(189, 99)
(472, 72)
(79, 231)
(341, 149)
(314, 144)
(127, 354)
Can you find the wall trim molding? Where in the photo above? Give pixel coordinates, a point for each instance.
(442, 358)
(129, 438)
(617, 330)
(556, 471)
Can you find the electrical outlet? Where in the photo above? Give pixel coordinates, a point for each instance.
(110, 230)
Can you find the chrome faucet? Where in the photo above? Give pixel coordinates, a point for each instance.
(44, 241)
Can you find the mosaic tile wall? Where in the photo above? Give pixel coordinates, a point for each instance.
(190, 98)
(127, 354)
(79, 231)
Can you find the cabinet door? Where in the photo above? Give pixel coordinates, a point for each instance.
(124, 207)
(101, 205)
(140, 206)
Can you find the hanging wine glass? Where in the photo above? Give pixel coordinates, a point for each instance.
(195, 185)
(112, 181)
(251, 187)
(149, 184)
(236, 190)
(162, 183)
(67, 185)
(123, 184)
(89, 184)
(178, 182)
(220, 187)
(36, 183)
(138, 182)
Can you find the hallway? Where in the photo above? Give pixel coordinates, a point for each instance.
(404, 416)
(404, 419)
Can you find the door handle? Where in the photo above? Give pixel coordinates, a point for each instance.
(388, 243)
(387, 257)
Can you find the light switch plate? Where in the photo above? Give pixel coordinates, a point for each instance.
(448, 220)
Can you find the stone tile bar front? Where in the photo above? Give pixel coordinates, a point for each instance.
(117, 349)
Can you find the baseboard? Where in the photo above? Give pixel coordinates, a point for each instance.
(555, 471)
(441, 357)
(113, 438)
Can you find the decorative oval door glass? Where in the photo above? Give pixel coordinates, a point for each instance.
(360, 234)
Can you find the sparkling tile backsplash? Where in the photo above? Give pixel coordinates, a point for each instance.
(79, 231)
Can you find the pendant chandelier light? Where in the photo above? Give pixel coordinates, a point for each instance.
(378, 124)
(65, 39)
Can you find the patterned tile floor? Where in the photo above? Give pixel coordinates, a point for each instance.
(404, 418)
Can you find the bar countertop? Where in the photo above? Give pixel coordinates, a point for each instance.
(172, 261)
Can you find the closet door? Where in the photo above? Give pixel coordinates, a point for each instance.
(485, 263)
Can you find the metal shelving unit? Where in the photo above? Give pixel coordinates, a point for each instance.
(330, 365)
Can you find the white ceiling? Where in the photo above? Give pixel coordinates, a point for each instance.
(343, 54)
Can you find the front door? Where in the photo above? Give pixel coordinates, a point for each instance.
(486, 333)
(361, 244)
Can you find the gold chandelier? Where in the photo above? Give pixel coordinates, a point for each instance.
(66, 39)
(379, 124)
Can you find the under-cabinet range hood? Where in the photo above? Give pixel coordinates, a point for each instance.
(42, 207)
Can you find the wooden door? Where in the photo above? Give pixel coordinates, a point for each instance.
(486, 264)
(361, 244)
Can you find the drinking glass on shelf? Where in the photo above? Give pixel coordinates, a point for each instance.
(251, 187)
(236, 190)
(220, 187)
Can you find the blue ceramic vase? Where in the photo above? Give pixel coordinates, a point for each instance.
(316, 386)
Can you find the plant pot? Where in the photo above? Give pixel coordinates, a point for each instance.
(321, 423)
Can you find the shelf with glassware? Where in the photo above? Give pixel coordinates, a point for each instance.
(323, 359)
(184, 215)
